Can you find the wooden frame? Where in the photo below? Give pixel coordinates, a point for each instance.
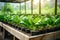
(31, 6)
(55, 7)
(16, 1)
(22, 36)
(40, 7)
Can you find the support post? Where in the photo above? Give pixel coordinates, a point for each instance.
(55, 7)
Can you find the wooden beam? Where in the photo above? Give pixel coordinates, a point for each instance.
(40, 7)
(31, 6)
(13, 1)
(55, 7)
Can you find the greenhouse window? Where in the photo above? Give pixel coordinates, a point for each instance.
(12, 8)
(1, 8)
(43, 7)
(48, 7)
(35, 7)
(58, 7)
(23, 8)
(28, 7)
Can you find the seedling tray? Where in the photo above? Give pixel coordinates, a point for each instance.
(33, 33)
(26, 36)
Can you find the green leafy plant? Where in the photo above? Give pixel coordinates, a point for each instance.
(33, 23)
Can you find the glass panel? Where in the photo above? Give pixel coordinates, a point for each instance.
(36, 7)
(16, 7)
(28, 7)
(58, 5)
(12, 8)
(48, 7)
(1, 8)
(23, 8)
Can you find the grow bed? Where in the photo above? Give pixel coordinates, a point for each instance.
(25, 36)
(33, 24)
(32, 33)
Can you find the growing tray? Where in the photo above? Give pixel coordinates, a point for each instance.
(25, 36)
(33, 33)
